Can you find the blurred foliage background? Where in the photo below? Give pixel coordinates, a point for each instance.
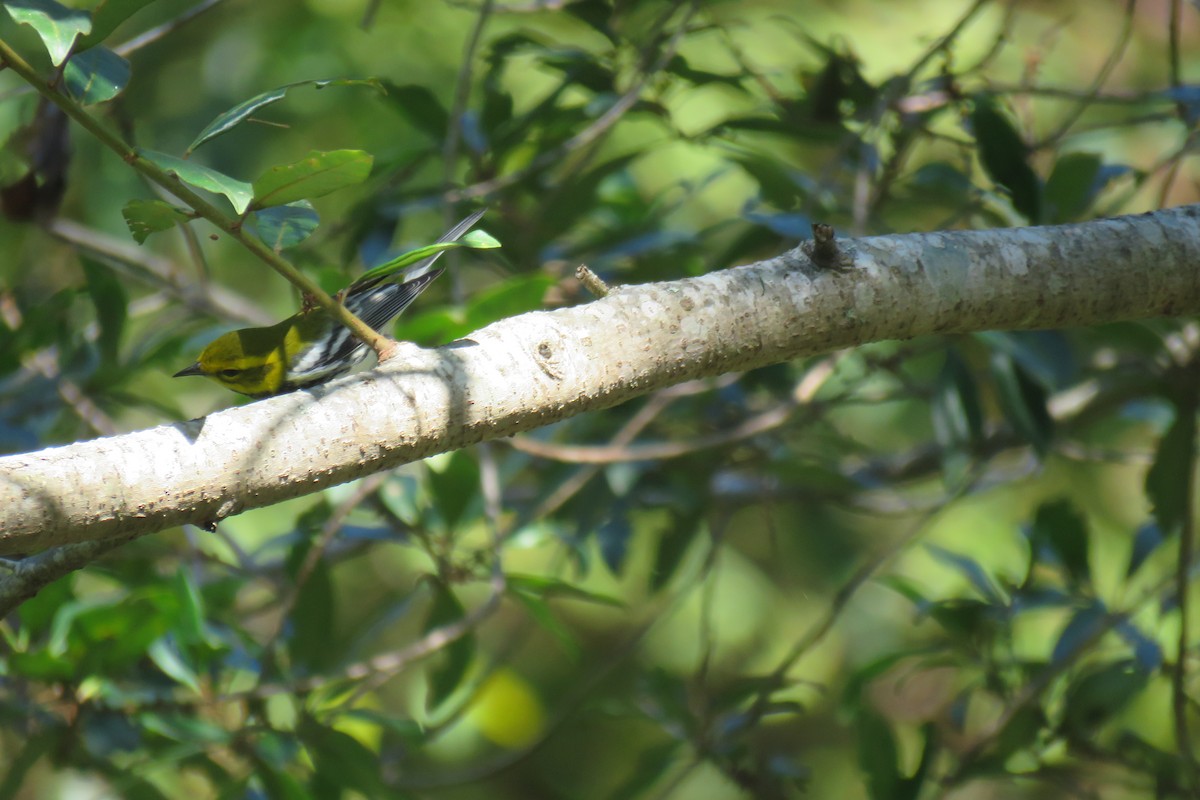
(954, 567)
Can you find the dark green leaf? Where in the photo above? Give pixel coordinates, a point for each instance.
(1168, 480)
(281, 227)
(167, 657)
(1147, 539)
(457, 655)
(1005, 157)
(316, 175)
(540, 586)
(1072, 187)
(455, 488)
(1020, 732)
(672, 546)
(342, 762)
(183, 727)
(1099, 694)
(957, 417)
(648, 767)
(56, 25)
(1079, 632)
(312, 624)
(228, 120)
(96, 75)
(877, 755)
(278, 784)
(109, 298)
(1062, 530)
(539, 609)
(421, 108)
(144, 217)
(1146, 651)
(1023, 401)
(968, 568)
(239, 193)
(106, 16)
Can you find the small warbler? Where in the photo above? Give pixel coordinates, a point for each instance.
(311, 347)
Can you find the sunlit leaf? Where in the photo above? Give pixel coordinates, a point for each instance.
(476, 240)
(239, 193)
(56, 25)
(144, 217)
(315, 175)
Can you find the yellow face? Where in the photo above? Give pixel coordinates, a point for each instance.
(250, 361)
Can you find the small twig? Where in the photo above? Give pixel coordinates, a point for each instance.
(591, 281)
(824, 251)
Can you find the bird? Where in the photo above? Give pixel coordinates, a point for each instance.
(310, 347)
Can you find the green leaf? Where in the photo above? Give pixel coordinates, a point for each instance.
(1167, 483)
(315, 175)
(1060, 528)
(144, 217)
(1099, 694)
(57, 25)
(168, 658)
(1005, 157)
(106, 16)
(447, 676)
(455, 487)
(109, 298)
(342, 762)
(281, 227)
(540, 586)
(476, 240)
(228, 120)
(313, 618)
(1023, 401)
(1071, 187)
(421, 108)
(96, 75)
(877, 755)
(1146, 540)
(957, 417)
(239, 193)
(542, 615)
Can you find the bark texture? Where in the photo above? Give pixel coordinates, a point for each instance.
(528, 371)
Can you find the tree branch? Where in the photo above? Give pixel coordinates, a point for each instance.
(528, 371)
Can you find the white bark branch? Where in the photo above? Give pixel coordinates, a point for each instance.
(528, 371)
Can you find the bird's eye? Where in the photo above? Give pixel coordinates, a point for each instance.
(230, 373)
